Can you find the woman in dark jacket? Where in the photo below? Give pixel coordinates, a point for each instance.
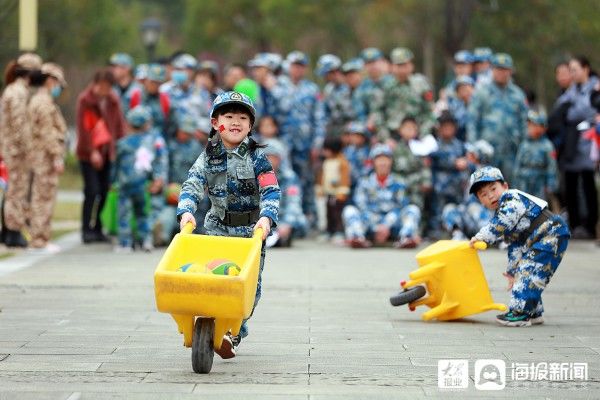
(99, 125)
(576, 160)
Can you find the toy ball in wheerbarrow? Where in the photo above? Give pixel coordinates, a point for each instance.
(222, 266)
(449, 280)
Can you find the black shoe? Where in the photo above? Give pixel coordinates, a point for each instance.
(14, 239)
(101, 237)
(88, 237)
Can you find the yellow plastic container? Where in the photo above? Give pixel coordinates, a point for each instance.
(455, 281)
(187, 295)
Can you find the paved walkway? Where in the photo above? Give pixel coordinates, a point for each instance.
(83, 325)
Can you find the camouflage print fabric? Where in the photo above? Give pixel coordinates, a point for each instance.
(535, 169)
(160, 170)
(48, 130)
(369, 94)
(360, 163)
(468, 216)
(140, 159)
(460, 110)
(401, 99)
(290, 207)
(192, 100)
(15, 136)
(338, 108)
(532, 258)
(376, 204)
(125, 95)
(413, 172)
(499, 116)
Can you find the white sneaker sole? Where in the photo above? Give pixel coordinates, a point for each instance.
(514, 324)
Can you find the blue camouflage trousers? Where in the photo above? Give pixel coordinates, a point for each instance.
(468, 218)
(132, 204)
(533, 273)
(360, 224)
(244, 328)
(302, 166)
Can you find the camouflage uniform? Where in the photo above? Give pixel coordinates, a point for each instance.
(303, 128)
(413, 172)
(240, 183)
(48, 130)
(466, 218)
(375, 204)
(499, 116)
(447, 181)
(338, 107)
(15, 133)
(290, 207)
(138, 161)
(535, 167)
(534, 253)
(125, 93)
(233, 181)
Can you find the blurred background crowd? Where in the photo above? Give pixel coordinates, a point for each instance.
(370, 144)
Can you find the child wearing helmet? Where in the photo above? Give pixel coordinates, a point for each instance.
(537, 241)
(239, 181)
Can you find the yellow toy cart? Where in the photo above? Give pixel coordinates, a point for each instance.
(205, 306)
(450, 271)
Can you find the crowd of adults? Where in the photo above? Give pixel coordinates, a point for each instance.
(370, 153)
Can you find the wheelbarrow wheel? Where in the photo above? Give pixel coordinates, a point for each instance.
(408, 296)
(202, 345)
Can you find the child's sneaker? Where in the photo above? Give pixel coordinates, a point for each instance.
(537, 320)
(227, 349)
(147, 245)
(514, 319)
(122, 249)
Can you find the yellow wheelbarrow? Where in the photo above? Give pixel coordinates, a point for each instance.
(206, 306)
(450, 271)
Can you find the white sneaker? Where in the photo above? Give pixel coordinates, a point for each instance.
(122, 249)
(147, 246)
(458, 235)
(50, 248)
(272, 239)
(537, 320)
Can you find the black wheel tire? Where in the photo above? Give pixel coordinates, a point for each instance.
(202, 345)
(408, 296)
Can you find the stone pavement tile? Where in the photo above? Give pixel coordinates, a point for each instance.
(7, 394)
(3, 356)
(9, 377)
(274, 365)
(226, 377)
(182, 396)
(352, 359)
(89, 350)
(8, 365)
(117, 387)
(407, 377)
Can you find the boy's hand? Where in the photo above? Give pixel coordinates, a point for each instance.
(265, 224)
(185, 218)
(511, 280)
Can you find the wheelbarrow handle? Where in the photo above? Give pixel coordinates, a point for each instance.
(480, 245)
(188, 228)
(258, 234)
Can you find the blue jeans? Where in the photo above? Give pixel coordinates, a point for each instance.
(244, 328)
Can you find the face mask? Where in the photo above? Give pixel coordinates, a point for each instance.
(179, 77)
(56, 91)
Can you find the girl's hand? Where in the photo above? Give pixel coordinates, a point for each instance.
(265, 224)
(185, 218)
(511, 280)
(473, 241)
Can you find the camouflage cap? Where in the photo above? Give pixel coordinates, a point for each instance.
(484, 174)
(29, 61)
(482, 149)
(463, 57)
(353, 65)
(371, 54)
(157, 73)
(401, 55)
(327, 63)
(141, 71)
(297, 57)
(502, 60)
(233, 98)
(381, 149)
(55, 71)
(138, 116)
(463, 80)
(538, 118)
(274, 147)
(185, 61)
(482, 54)
(271, 61)
(209, 65)
(122, 59)
(357, 127)
(186, 123)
